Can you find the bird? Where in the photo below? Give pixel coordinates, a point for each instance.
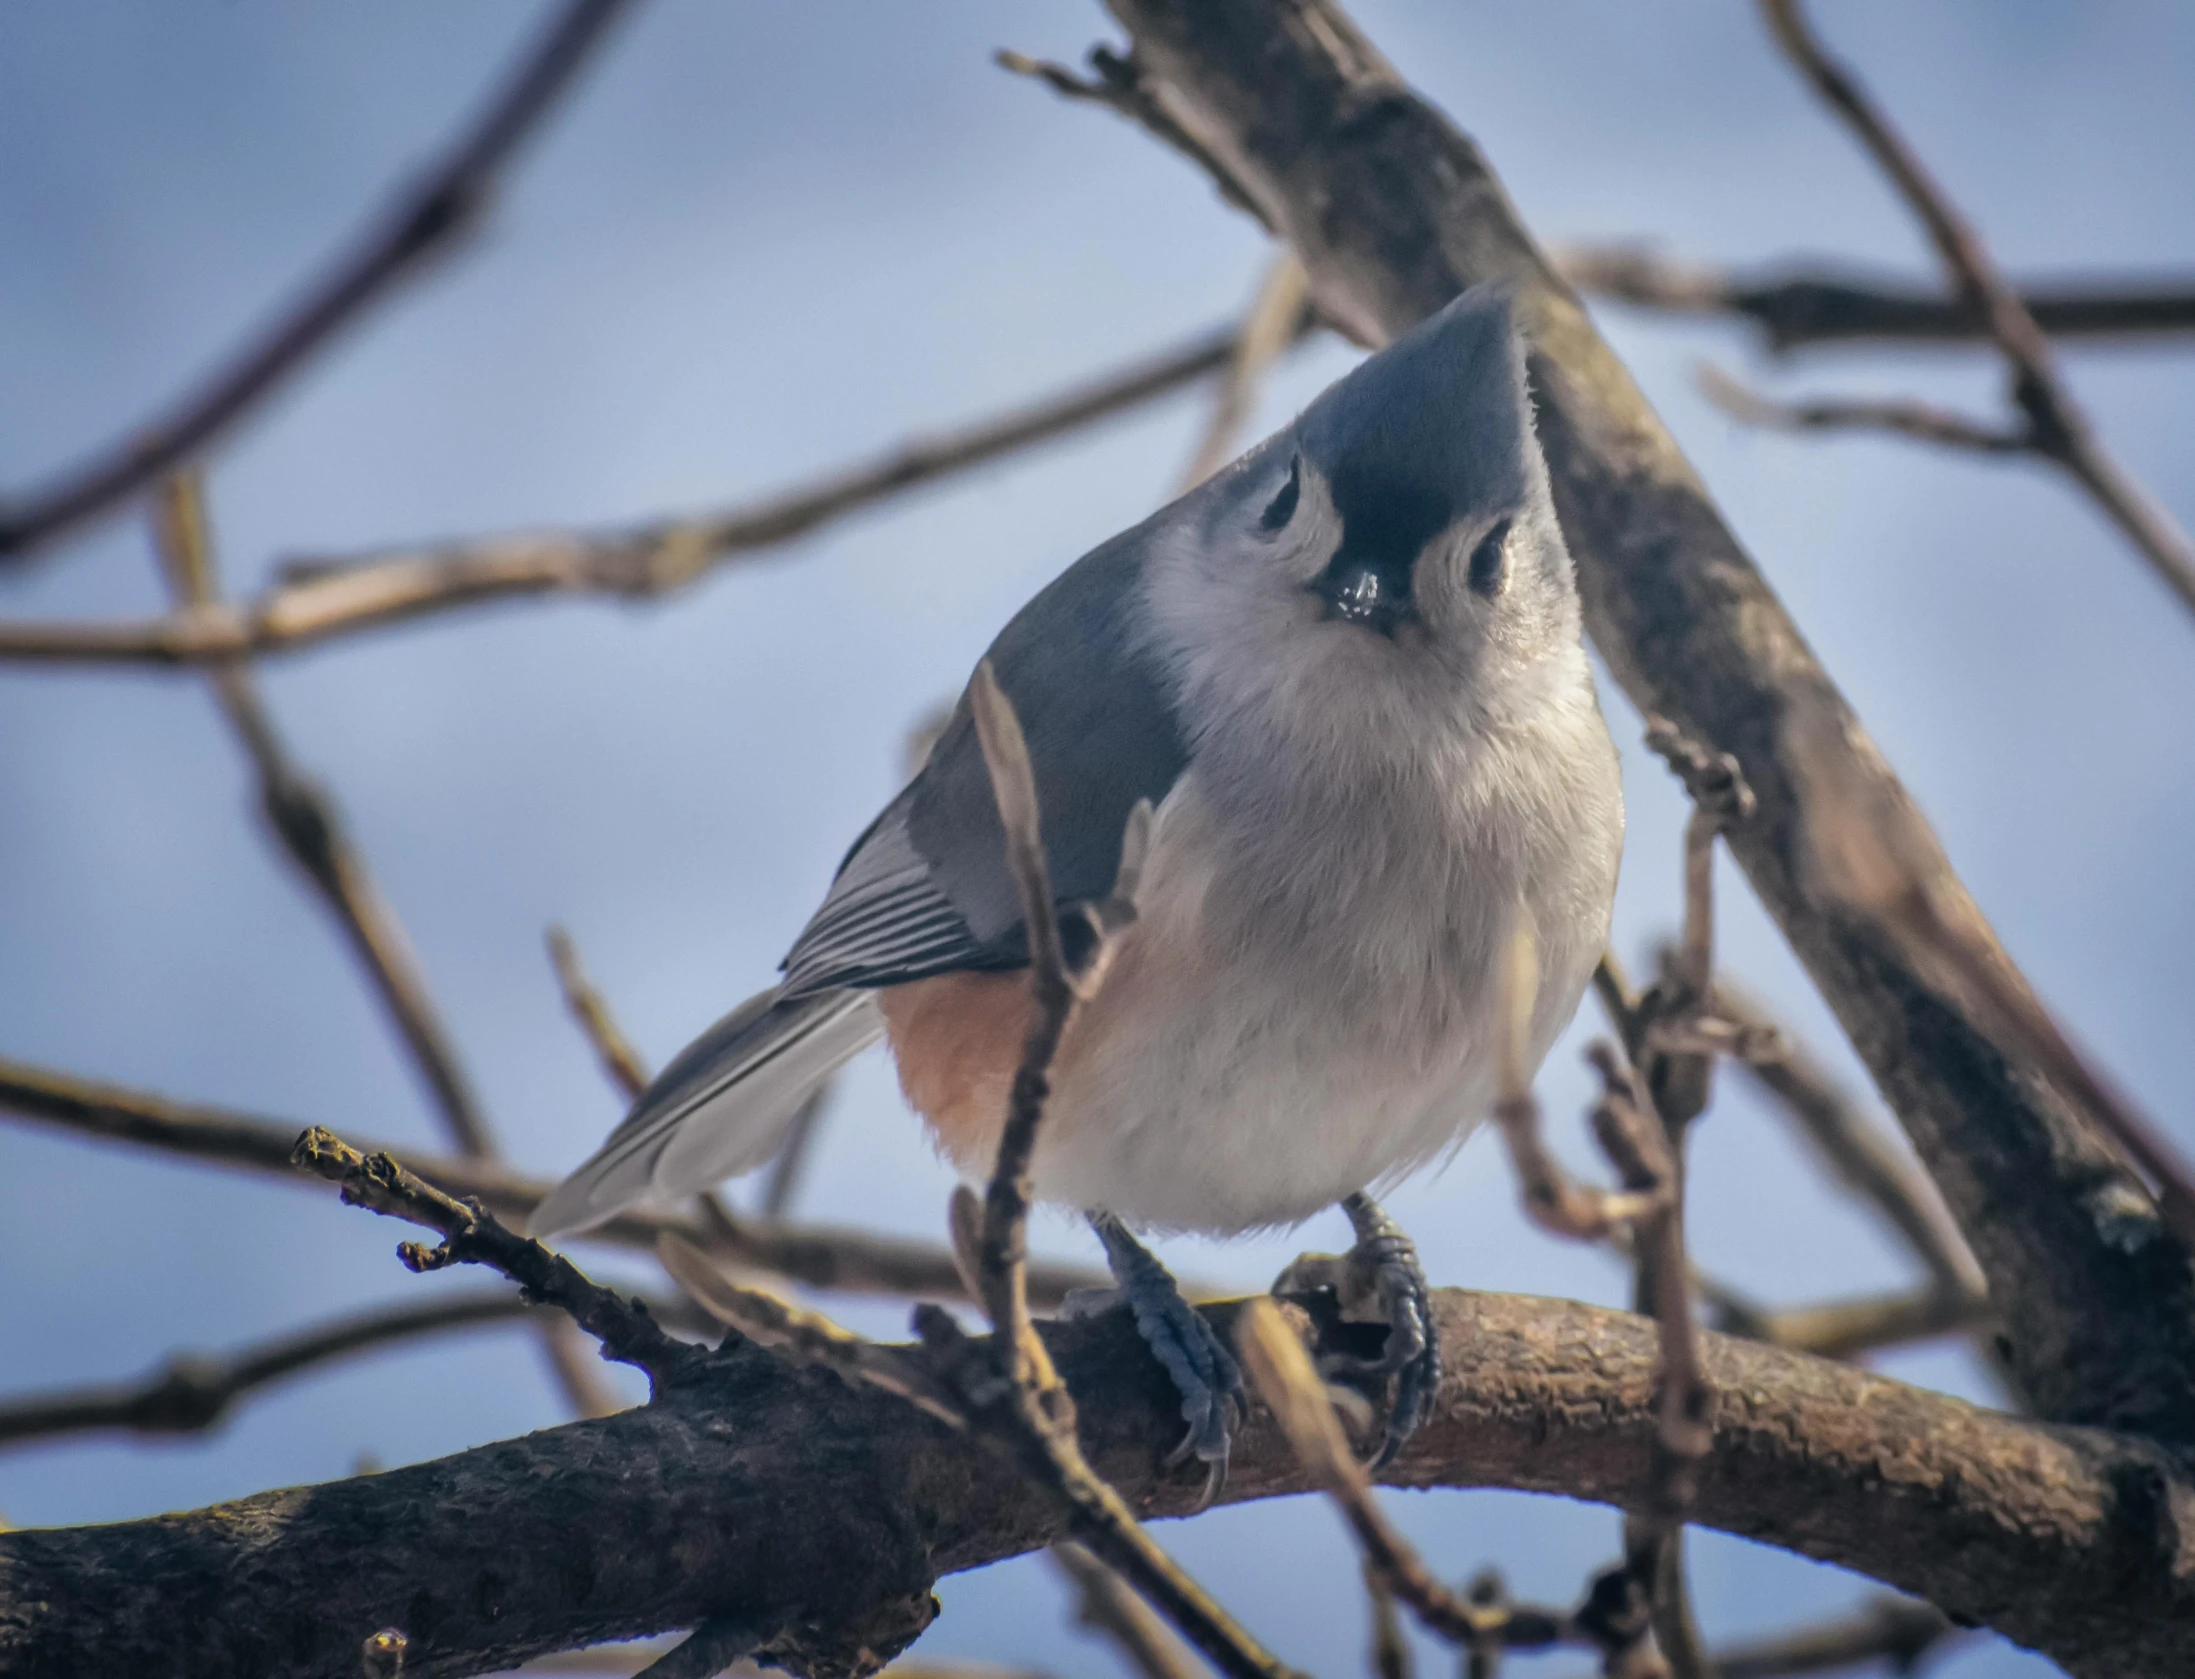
(1346, 676)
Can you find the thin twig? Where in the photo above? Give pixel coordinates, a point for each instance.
(620, 1061)
(308, 825)
(1797, 306)
(1860, 1153)
(1872, 1323)
(1678, 1033)
(1105, 1605)
(803, 1336)
(1117, 82)
(1390, 1645)
(471, 1236)
(427, 216)
(193, 1392)
(324, 598)
(310, 829)
(1642, 1147)
(791, 1163)
(1009, 1382)
(1288, 1382)
(710, 1649)
(848, 1261)
(1276, 319)
(1921, 421)
(1905, 1637)
(2057, 428)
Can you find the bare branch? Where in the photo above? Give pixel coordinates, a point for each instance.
(1289, 1384)
(807, 1337)
(620, 1061)
(2057, 427)
(305, 821)
(1796, 306)
(1393, 212)
(1031, 1406)
(1106, 1606)
(1919, 420)
(849, 1261)
(426, 217)
(791, 1163)
(471, 1236)
(1848, 1328)
(1868, 1164)
(709, 1650)
(1118, 83)
(1866, 860)
(1277, 318)
(1906, 1637)
(789, 1493)
(194, 1392)
(324, 598)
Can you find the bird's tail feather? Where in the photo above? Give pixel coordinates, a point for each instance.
(721, 1108)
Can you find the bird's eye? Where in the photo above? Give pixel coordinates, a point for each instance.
(1282, 507)
(1489, 573)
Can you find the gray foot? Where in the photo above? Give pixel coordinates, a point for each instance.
(1213, 1398)
(1380, 1281)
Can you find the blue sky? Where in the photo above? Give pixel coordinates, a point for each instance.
(765, 240)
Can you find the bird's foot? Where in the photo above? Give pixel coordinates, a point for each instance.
(1379, 1281)
(1204, 1370)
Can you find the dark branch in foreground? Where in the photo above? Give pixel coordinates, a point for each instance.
(321, 599)
(426, 218)
(1009, 1383)
(850, 1261)
(471, 1236)
(754, 1487)
(1393, 212)
(1795, 307)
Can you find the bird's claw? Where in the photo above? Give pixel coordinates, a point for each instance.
(1205, 1373)
(1379, 1281)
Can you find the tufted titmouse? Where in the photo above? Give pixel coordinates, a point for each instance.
(1346, 671)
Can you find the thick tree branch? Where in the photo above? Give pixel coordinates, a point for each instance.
(758, 1488)
(427, 217)
(322, 599)
(1796, 306)
(850, 1261)
(1393, 212)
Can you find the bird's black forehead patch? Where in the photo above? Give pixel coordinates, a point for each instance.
(1385, 518)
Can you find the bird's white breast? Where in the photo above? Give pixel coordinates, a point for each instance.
(1306, 1005)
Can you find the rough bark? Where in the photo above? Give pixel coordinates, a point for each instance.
(778, 1493)
(1393, 211)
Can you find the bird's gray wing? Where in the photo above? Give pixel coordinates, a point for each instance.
(925, 891)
